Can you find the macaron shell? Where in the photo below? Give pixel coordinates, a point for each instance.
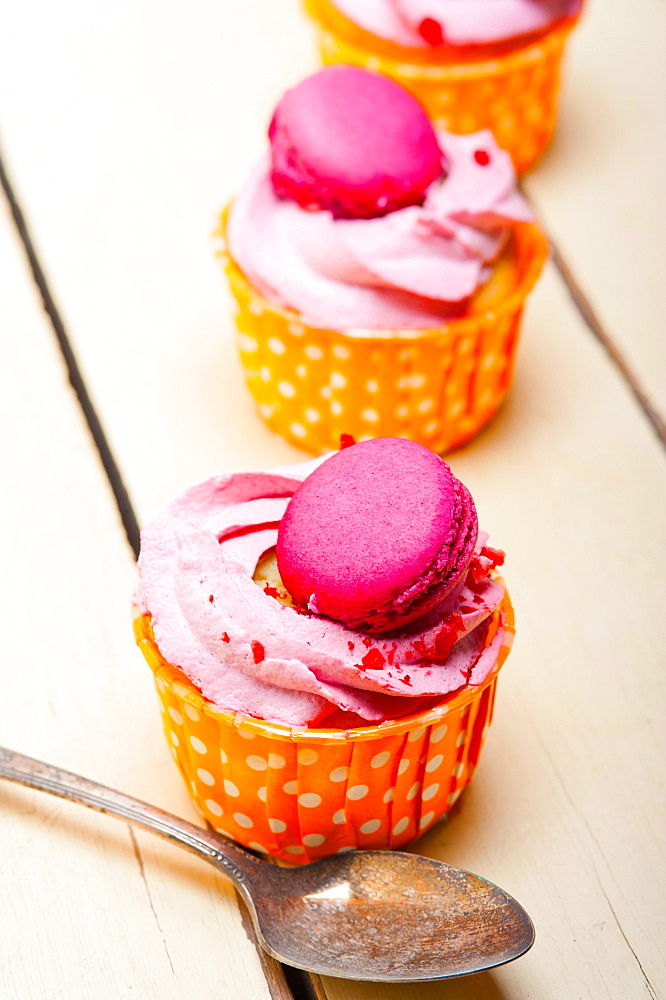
(352, 142)
(377, 535)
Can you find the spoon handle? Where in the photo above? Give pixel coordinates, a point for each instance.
(231, 860)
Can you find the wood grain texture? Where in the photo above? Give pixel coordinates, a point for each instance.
(566, 809)
(88, 908)
(121, 174)
(600, 189)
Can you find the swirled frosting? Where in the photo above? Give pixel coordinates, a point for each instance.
(250, 653)
(414, 267)
(455, 22)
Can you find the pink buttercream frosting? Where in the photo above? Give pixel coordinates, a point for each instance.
(414, 267)
(249, 653)
(460, 22)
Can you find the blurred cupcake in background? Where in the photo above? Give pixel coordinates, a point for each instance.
(473, 64)
(380, 270)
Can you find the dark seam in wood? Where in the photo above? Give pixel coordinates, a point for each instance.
(581, 816)
(651, 989)
(275, 974)
(305, 985)
(123, 502)
(586, 310)
(273, 971)
(142, 871)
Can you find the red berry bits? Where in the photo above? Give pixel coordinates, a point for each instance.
(481, 157)
(257, 651)
(431, 31)
(346, 441)
(373, 660)
(482, 563)
(224, 637)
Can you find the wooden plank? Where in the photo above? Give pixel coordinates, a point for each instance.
(600, 190)
(125, 174)
(87, 907)
(566, 810)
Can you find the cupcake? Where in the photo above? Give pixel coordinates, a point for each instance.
(473, 65)
(380, 271)
(325, 640)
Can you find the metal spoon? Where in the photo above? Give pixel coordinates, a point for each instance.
(383, 916)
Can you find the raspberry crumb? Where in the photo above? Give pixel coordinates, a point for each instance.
(481, 564)
(431, 31)
(496, 556)
(257, 651)
(351, 645)
(481, 157)
(271, 591)
(224, 637)
(346, 441)
(373, 660)
(367, 641)
(211, 598)
(444, 643)
(406, 680)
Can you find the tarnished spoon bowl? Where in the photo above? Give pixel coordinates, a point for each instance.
(377, 915)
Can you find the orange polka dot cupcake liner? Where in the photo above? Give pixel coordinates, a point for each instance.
(438, 386)
(303, 794)
(513, 93)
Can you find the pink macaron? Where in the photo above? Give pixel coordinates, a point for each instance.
(377, 535)
(352, 142)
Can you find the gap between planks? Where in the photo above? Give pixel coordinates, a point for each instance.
(594, 324)
(284, 983)
(299, 987)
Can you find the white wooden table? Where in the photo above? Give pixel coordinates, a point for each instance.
(124, 128)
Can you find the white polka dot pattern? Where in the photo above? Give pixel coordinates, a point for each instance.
(256, 763)
(303, 798)
(380, 759)
(243, 820)
(440, 390)
(309, 800)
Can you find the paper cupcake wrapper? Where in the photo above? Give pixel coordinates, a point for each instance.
(304, 794)
(514, 94)
(436, 386)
